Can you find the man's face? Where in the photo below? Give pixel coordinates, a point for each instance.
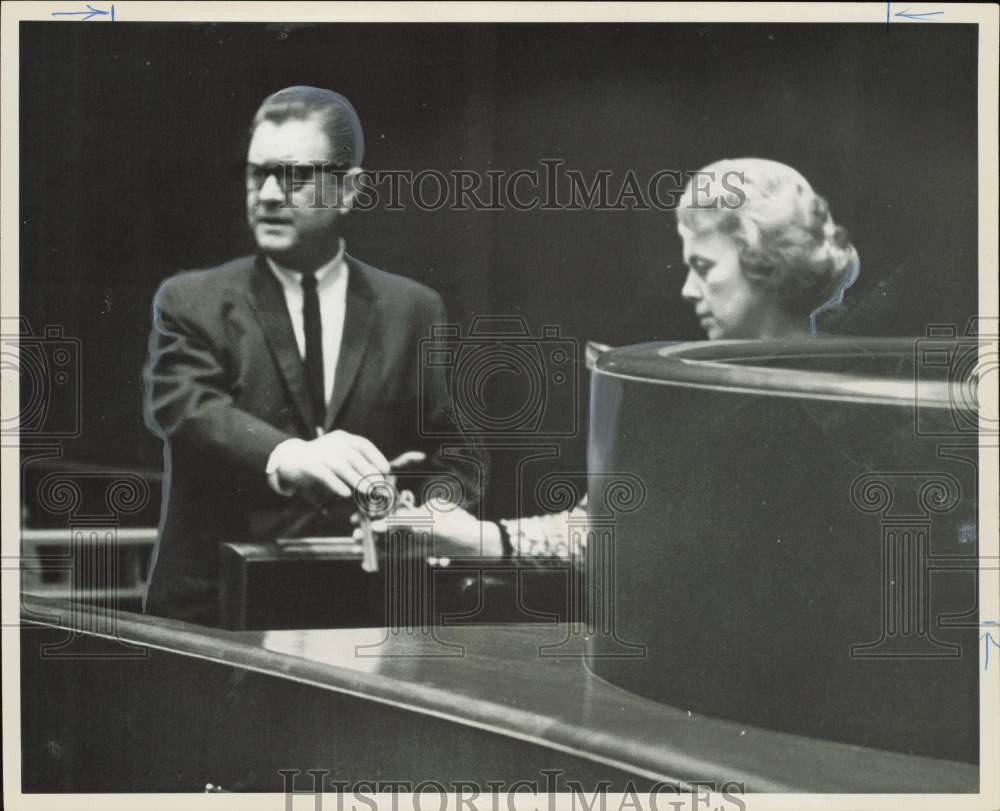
(726, 303)
(289, 226)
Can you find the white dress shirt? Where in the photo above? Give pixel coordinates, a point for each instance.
(331, 286)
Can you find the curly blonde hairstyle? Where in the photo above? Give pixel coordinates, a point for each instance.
(789, 243)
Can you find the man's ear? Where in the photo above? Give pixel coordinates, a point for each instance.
(350, 189)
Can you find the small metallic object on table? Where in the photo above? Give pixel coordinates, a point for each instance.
(372, 510)
(369, 559)
(377, 506)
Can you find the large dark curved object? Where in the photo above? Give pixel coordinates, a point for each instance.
(797, 551)
(114, 702)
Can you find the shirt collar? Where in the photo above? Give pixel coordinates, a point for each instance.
(333, 268)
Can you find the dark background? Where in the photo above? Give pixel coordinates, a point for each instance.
(130, 134)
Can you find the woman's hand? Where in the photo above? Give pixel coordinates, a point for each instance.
(456, 532)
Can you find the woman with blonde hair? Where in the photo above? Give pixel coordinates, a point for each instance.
(763, 253)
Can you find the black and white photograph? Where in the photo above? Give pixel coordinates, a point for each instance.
(499, 406)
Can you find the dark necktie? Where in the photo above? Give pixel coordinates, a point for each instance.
(314, 347)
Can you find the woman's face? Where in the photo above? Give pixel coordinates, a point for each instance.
(726, 303)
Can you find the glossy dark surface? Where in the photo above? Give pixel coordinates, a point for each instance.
(271, 586)
(885, 370)
(464, 703)
(799, 548)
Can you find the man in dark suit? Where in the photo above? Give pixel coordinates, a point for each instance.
(282, 383)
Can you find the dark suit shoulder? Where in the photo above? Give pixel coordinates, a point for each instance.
(235, 272)
(392, 286)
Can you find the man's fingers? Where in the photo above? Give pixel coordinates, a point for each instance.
(344, 471)
(346, 459)
(343, 443)
(368, 476)
(328, 480)
(408, 458)
(308, 475)
(354, 457)
(372, 455)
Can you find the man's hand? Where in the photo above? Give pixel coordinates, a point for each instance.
(333, 464)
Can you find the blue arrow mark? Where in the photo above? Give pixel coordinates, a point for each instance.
(987, 641)
(87, 15)
(915, 15)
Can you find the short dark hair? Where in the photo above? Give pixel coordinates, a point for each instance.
(338, 118)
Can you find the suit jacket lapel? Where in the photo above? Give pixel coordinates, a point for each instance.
(359, 315)
(268, 300)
